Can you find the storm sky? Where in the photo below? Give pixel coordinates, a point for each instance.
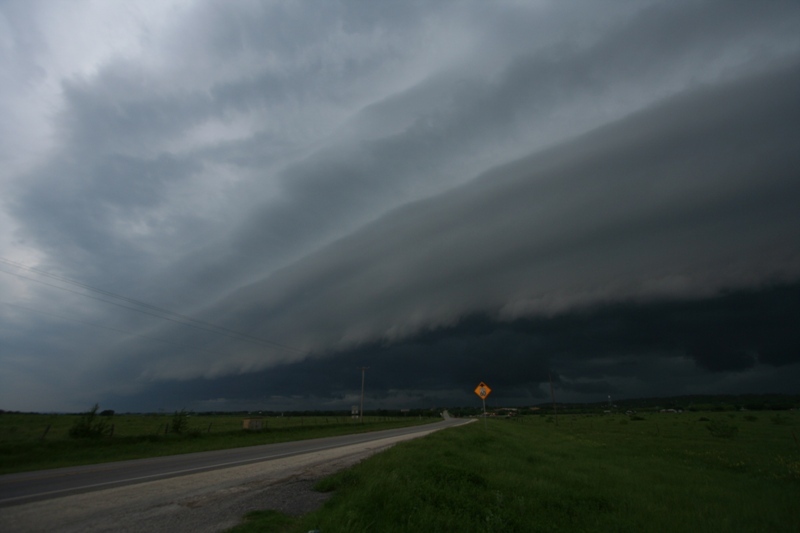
(221, 205)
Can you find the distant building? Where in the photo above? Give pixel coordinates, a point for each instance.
(253, 424)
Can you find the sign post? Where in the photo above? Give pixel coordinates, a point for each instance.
(483, 391)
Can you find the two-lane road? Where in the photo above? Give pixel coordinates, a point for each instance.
(32, 486)
(207, 491)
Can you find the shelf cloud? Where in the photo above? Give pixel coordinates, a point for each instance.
(237, 205)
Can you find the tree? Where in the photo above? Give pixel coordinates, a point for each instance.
(180, 421)
(90, 425)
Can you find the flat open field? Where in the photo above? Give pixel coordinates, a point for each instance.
(26, 443)
(682, 472)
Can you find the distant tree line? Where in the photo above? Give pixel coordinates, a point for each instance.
(750, 402)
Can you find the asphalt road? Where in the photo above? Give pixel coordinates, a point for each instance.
(16, 489)
(197, 493)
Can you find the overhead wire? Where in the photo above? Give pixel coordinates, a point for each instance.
(143, 307)
(118, 330)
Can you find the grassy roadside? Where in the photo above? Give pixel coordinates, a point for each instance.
(23, 448)
(658, 472)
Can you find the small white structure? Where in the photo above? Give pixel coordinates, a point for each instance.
(253, 424)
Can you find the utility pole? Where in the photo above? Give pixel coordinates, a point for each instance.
(361, 411)
(553, 395)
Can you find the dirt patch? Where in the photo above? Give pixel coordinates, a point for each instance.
(294, 498)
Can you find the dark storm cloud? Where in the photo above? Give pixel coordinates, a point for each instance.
(687, 198)
(680, 201)
(313, 172)
(121, 186)
(588, 354)
(448, 127)
(123, 119)
(337, 189)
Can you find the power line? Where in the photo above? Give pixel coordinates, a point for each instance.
(109, 302)
(118, 330)
(131, 300)
(154, 311)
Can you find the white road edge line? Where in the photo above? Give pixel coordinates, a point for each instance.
(177, 473)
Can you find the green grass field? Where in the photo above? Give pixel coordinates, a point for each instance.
(653, 472)
(26, 443)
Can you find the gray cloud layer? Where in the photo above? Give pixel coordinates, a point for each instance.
(362, 173)
(681, 200)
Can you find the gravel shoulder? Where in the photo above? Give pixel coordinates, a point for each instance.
(204, 502)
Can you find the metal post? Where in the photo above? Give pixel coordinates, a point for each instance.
(361, 411)
(553, 395)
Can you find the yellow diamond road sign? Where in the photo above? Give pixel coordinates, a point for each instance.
(482, 390)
